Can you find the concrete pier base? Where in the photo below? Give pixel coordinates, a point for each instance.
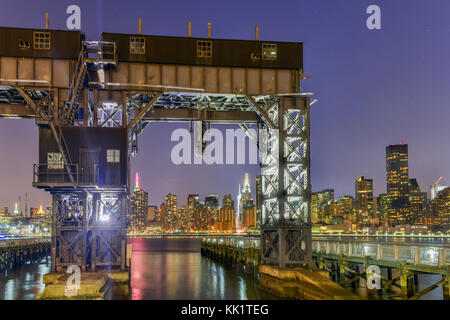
(103, 285)
(302, 284)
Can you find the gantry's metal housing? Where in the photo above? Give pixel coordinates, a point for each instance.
(79, 98)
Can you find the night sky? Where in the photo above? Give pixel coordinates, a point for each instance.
(375, 87)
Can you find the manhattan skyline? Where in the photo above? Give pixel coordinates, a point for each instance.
(375, 88)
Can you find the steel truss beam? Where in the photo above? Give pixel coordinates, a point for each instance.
(286, 222)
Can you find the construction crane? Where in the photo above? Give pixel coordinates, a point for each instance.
(435, 188)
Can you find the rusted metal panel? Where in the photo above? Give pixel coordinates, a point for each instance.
(224, 75)
(154, 74)
(183, 76)
(55, 71)
(239, 83)
(169, 75)
(210, 77)
(253, 81)
(197, 77)
(25, 68)
(63, 44)
(225, 52)
(43, 69)
(137, 73)
(61, 73)
(8, 69)
(268, 81)
(285, 82)
(120, 73)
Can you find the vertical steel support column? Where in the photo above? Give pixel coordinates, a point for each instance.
(286, 225)
(308, 192)
(84, 199)
(94, 235)
(54, 214)
(55, 106)
(123, 220)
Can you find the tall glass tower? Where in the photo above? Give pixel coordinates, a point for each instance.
(397, 183)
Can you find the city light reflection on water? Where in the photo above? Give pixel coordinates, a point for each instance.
(173, 269)
(24, 282)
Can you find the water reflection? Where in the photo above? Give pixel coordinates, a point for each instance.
(174, 269)
(24, 282)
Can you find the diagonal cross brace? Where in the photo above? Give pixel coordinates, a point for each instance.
(36, 108)
(144, 111)
(262, 113)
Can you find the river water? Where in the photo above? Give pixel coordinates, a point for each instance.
(172, 268)
(24, 282)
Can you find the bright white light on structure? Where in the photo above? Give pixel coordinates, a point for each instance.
(104, 218)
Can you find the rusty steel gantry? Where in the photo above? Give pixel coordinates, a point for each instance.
(92, 99)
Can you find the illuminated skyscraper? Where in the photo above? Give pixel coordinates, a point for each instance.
(417, 201)
(315, 208)
(212, 202)
(440, 206)
(382, 205)
(364, 199)
(228, 201)
(16, 210)
(345, 205)
(397, 183)
(193, 201)
(245, 201)
(319, 201)
(138, 207)
(226, 220)
(250, 218)
(170, 212)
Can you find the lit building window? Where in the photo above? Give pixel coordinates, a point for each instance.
(42, 40)
(137, 45)
(269, 51)
(113, 156)
(55, 161)
(204, 49)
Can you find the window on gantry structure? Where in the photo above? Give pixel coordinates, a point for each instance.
(269, 51)
(42, 40)
(204, 49)
(137, 45)
(55, 161)
(113, 156)
(24, 44)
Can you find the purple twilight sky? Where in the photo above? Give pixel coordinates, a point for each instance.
(375, 87)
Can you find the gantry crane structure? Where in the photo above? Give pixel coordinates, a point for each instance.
(92, 99)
